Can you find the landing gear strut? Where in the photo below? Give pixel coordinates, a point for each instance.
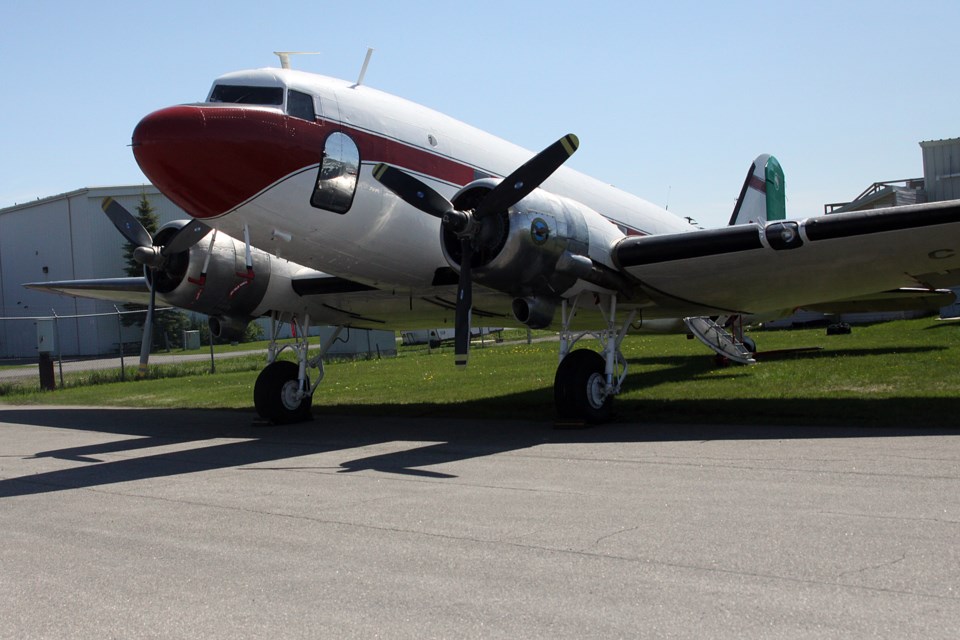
(586, 381)
(283, 393)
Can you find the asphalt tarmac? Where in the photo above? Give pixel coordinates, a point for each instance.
(195, 524)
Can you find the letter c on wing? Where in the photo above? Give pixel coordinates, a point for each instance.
(942, 254)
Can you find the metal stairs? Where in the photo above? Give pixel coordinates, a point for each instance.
(719, 339)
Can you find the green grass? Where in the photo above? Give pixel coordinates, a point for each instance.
(894, 373)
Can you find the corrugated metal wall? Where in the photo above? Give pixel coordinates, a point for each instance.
(66, 237)
(941, 169)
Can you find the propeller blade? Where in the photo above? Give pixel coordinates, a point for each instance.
(527, 177)
(412, 191)
(186, 237)
(464, 305)
(126, 224)
(147, 331)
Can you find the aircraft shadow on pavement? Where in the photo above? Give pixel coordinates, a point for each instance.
(195, 438)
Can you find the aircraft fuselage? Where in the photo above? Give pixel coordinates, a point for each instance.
(247, 163)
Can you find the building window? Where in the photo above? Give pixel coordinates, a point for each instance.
(337, 182)
(300, 105)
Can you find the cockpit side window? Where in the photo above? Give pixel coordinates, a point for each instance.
(337, 182)
(238, 94)
(300, 105)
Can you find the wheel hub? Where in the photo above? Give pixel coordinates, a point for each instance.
(290, 395)
(596, 390)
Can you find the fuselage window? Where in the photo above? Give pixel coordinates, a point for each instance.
(300, 105)
(337, 182)
(247, 95)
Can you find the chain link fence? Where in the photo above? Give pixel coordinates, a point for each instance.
(88, 342)
(57, 350)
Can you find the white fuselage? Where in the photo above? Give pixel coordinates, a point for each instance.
(382, 241)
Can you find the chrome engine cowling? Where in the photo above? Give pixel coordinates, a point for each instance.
(228, 294)
(517, 251)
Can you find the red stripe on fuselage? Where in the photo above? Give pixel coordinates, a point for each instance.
(210, 159)
(376, 148)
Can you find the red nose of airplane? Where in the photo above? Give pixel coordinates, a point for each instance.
(210, 159)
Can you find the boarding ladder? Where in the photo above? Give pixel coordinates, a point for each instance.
(719, 340)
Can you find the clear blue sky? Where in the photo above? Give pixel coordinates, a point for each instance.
(671, 100)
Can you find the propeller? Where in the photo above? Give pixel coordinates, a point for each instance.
(467, 224)
(461, 334)
(151, 257)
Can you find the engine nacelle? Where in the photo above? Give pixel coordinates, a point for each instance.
(227, 293)
(518, 251)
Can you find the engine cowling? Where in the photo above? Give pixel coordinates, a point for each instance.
(518, 251)
(227, 293)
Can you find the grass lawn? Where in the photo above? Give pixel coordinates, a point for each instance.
(905, 372)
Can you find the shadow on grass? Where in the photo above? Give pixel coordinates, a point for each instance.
(698, 364)
(944, 323)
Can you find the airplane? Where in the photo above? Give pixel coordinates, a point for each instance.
(319, 201)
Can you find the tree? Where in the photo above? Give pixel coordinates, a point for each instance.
(146, 216)
(168, 326)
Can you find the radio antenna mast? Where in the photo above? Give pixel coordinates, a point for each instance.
(363, 70)
(285, 56)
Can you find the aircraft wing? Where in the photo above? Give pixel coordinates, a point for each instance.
(328, 299)
(896, 300)
(789, 264)
(133, 290)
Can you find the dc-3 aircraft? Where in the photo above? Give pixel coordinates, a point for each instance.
(319, 201)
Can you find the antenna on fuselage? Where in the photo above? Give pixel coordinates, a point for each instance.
(363, 70)
(285, 56)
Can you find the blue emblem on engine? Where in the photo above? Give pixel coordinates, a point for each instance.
(539, 230)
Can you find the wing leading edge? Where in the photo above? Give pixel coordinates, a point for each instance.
(787, 264)
(133, 290)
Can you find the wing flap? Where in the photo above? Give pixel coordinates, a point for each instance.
(788, 264)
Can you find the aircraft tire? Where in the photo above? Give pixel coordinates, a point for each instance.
(272, 394)
(576, 388)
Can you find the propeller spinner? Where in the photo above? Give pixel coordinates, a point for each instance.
(467, 224)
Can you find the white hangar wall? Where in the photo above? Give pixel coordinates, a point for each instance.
(65, 237)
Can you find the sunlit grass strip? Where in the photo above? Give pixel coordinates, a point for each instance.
(881, 374)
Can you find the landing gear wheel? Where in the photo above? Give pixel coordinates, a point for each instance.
(275, 394)
(578, 388)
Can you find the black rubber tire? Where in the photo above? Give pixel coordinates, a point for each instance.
(576, 376)
(269, 390)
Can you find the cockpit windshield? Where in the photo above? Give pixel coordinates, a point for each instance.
(238, 94)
